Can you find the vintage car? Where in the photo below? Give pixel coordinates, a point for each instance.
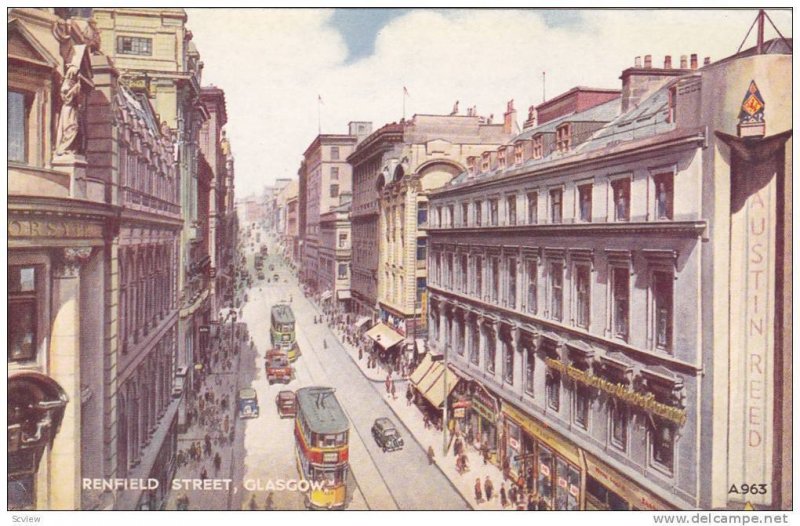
(278, 367)
(247, 403)
(286, 402)
(276, 278)
(386, 435)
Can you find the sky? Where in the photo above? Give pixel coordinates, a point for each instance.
(276, 64)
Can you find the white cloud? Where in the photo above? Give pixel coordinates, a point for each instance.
(272, 64)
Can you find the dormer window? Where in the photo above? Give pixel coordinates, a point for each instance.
(485, 162)
(538, 147)
(471, 164)
(501, 158)
(518, 153)
(564, 137)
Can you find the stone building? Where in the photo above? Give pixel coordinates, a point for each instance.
(334, 256)
(592, 278)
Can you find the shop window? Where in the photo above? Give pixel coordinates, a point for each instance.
(585, 200)
(494, 206)
(23, 304)
(508, 362)
(618, 425)
(567, 486)
(553, 389)
(556, 290)
(662, 295)
(479, 276)
(532, 277)
(582, 295)
(555, 205)
(620, 301)
(582, 404)
(662, 446)
(533, 208)
(530, 369)
(513, 444)
(18, 111)
(134, 46)
(544, 482)
(664, 195)
(622, 199)
(511, 206)
(512, 283)
(21, 491)
(491, 351)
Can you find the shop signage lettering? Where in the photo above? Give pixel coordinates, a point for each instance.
(484, 411)
(624, 488)
(54, 229)
(645, 401)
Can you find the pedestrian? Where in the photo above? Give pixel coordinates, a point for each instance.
(426, 422)
(485, 451)
(252, 505)
(203, 474)
(542, 505)
(478, 491)
(394, 392)
(430, 455)
(268, 504)
(531, 506)
(512, 494)
(226, 424)
(457, 447)
(388, 384)
(360, 353)
(488, 488)
(409, 394)
(217, 463)
(324, 343)
(503, 495)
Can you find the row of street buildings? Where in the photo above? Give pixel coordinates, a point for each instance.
(601, 298)
(121, 232)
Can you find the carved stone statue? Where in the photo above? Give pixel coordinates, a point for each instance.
(530, 113)
(68, 123)
(455, 109)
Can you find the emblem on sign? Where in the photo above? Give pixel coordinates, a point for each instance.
(751, 113)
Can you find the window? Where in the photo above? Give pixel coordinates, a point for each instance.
(511, 206)
(564, 137)
(662, 445)
(18, 107)
(479, 276)
(342, 270)
(662, 309)
(451, 215)
(134, 46)
(538, 147)
(421, 286)
(553, 388)
(664, 194)
(343, 240)
(491, 351)
(422, 214)
(493, 212)
(585, 201)
(555, 205)
(475, 345)
(620, 297)
(518, 153)
(533, 208)
(478, 213)
(449, 271)
(461, 336)
(335, 173)
(622, 199)
(22, 313)
(464, 214)
(508, 362)
(334, 153)
(501, 158)
(618, 425)
(334, 190)
(581, 405)
(582, 295)
(530, 367)
(512, 283)
(464, 273)
(495, 262)
(422, 248)
(556, 290)
(532, 276)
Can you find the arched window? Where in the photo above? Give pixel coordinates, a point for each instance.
(122, 437)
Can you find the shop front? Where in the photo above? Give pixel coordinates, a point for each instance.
(606, 489)
(482, 417)
(433, 386)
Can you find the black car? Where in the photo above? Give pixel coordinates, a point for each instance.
(386, 435)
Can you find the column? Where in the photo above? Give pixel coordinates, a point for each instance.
(65, 369)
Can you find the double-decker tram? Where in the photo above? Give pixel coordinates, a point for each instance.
(282, 330)
(321, 432)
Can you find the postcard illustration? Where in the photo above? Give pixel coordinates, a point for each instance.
(399, 259)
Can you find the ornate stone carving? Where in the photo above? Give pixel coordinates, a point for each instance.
(68, 120)
(69, 264)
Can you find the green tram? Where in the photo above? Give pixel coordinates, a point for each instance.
(282, 331)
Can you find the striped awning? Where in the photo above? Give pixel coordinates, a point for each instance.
(384, 335)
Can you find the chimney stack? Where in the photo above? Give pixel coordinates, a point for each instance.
(684, 62)
(637, 62)
(648, 61)
(668, 62)
(707, 61)
(694, 60)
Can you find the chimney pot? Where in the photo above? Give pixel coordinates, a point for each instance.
(648, 61)
(637, 62)
(707, 61)
(668, 62)
(684, 61)
(694, 60)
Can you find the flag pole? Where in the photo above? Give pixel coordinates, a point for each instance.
(319, 114)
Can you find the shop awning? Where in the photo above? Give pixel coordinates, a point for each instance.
(362, 321)
(325, 295)
(384, 336)
(429, 379)
(343, 294)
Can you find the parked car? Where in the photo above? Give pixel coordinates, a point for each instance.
(275, 277)
(247, 403)
(386, 435)
(286, 401)
(278, 367)
(261, 275)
